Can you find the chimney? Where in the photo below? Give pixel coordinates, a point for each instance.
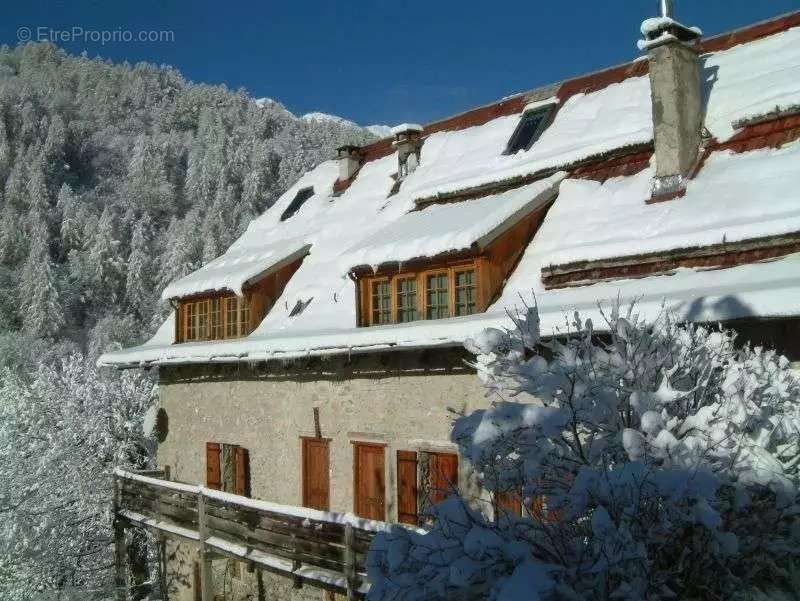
(408, 141)
(349, 158)
(676, 99)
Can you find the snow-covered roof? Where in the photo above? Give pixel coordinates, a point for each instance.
(440, 229)
(241, 265)
(738, 197)
(733, 197)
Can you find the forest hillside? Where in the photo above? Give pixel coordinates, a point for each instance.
(115, 179)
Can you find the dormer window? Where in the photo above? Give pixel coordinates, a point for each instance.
(300, 198)
(433, 293)
(533, 123)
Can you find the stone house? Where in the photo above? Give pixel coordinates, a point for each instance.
(318, 361)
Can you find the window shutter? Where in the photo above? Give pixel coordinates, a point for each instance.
(213, 469)
(407, 487)
(508, 502)
(443, 475)
(241, 466)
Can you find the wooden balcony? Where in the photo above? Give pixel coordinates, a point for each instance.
(321, 549)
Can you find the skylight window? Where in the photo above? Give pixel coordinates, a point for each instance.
(530, 127)
(300, 198)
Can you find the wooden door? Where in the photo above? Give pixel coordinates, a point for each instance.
(316, 474)
(443, 475)
(369, 482)
(213, 466)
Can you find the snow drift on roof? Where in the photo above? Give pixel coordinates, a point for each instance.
(736, 197)
(236, 268)
(438, 229)
(751, 80)
(585, 125)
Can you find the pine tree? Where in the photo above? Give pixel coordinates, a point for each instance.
(12, 242)
(39, 300)
(139, 284)
(104, 260)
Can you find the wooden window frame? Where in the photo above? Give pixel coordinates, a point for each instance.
(188, 321)
(477, 265)
(392, 301)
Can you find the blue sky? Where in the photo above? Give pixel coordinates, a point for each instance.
(372, 61)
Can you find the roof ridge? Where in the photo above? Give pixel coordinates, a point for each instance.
(514, 103)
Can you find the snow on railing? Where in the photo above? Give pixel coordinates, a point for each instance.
(322, 548)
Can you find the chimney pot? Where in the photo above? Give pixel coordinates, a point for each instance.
(408, 142)
(349, 158)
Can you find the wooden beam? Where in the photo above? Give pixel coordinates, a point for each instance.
(206, 574)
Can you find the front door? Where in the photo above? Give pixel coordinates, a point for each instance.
(316, 474)
(369, 481)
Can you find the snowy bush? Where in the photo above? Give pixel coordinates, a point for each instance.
(653, 461)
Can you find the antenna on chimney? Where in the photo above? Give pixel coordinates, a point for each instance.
(667, 8)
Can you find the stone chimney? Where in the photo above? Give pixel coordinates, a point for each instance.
(408, 142)
(349, 158)
(676, 99)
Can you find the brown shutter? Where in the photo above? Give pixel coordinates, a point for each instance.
(316, 474)
(443, 475)
(213, 468)
(407, 487)
(241, 466)
(508, 502)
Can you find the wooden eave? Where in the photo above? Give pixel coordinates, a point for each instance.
(723, 255)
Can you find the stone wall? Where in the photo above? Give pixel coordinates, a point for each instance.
(403, 400)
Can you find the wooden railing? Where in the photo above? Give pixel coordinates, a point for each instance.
(322, 549)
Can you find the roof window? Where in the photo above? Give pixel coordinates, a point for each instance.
(300, 198)
(533, 123)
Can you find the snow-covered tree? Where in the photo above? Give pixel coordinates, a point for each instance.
(38, 295)
(139, 284)
(63, 429)
(652, 461)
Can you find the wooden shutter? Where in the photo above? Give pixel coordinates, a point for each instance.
(407, 487)
(241, 472)
(316, 474)
(508, 502)
(213, 468)
(369, 481)
(443, 475)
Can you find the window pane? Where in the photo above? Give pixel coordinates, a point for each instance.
(191, 328)
(436, 294)
(528, 130)
(215, 319)
(465, 292)
(381, 303)
(202, 320)
(232, 317)
(406, 300)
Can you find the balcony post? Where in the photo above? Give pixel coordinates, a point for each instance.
(349, 561)
(120, 552)
(206, 575)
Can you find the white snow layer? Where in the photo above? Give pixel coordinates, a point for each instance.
(237, 267)
(751, 80)
(450, 227)
(734, 197)
(585, 125)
